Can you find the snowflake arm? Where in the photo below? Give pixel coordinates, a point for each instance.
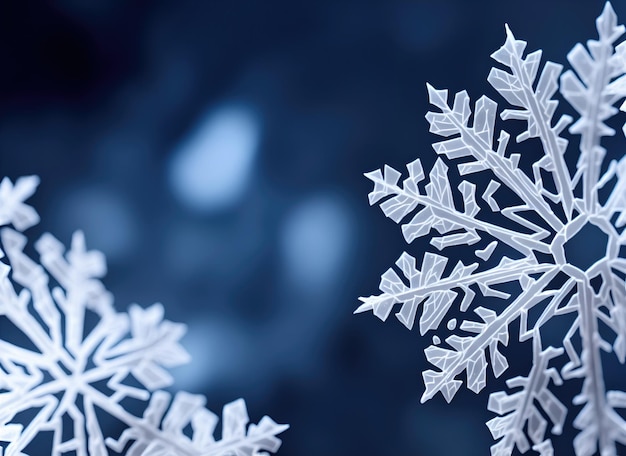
(437, 292)
(536, 107)
(161, 434)
(600, 425)
(587, 89)
(154, 344)
(468, 353)
(519, 409)
(12, 208)
(477, 142)
(436, 209)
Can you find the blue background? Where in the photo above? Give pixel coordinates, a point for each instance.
(214, 151)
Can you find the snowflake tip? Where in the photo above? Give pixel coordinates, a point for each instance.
(437, 97)
(12, 207)
(365, 307)
(511, 47)
(606, 23)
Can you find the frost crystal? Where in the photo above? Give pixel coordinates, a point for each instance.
(78, 361)
(532, 265)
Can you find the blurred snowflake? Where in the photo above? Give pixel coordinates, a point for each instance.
(547, 215)
(77, 359)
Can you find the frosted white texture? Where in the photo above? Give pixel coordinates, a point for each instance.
(77, 359)
(524, 226)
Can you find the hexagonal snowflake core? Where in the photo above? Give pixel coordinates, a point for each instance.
(587, 246)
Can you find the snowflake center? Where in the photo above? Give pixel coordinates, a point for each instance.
(587, 246)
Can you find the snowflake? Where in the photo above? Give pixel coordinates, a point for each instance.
(533, 266)
(78, 360)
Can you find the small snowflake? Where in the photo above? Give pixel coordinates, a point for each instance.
(544, 266)
(84, 359)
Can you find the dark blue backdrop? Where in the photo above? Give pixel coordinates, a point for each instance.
(214, 152)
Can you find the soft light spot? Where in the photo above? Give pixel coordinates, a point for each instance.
(210, 169)
(218, 349)
(104, 217)
(315, 242)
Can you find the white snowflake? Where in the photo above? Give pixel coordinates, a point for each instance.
(543, 213)
(78, 359)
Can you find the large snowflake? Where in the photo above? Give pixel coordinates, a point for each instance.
(69, 360)
(530, 227)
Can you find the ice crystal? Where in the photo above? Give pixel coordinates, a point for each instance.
(529, 228)
(79, 360)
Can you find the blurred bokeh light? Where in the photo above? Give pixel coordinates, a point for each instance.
(210, 170)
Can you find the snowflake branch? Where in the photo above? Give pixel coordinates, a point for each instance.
(438, 208)
(468, 353)
(586, 89)
(537, 107)
(600, 425)
(519, 408)
(428, 284)
(477, 141)
(12, 208)
(159, 432)
(616, 202)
